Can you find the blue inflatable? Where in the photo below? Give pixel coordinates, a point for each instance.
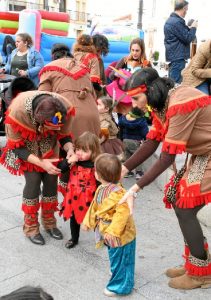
(117, 49)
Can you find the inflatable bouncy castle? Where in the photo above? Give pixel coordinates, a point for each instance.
(9, 22)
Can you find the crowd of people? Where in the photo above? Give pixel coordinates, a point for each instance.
(66, 134)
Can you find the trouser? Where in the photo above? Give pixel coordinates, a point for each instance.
(122, 265)
(175, 69)
(74, 228)
(198, 262)
(130, 147)
(31, 204)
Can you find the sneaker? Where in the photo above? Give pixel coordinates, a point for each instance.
(109, 293)
(139, 174)
(129, 174)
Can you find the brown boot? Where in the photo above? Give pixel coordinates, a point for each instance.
(187, 282)
(175, 272)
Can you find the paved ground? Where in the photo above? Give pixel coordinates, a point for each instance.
(82, 273)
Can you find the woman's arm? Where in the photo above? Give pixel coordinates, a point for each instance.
(143, 152)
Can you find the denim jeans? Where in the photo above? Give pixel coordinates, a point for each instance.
(175, 69)
(204, 87)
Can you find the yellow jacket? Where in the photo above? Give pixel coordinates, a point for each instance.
(111, 217)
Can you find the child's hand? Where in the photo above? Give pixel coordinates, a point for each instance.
(111, 240)
(72, 159)
(84, 227)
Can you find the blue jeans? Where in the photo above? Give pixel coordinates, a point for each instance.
(175, 69)
(203, 87)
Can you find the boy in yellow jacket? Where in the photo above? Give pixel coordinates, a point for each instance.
(113, 225)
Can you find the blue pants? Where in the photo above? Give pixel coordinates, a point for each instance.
(122, 262)
(204, 87)
(175, 69)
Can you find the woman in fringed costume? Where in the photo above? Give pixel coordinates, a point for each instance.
(68, 77)
(85, 52)
(37, 124)
(181, 120)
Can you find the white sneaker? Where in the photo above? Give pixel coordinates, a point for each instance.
(109, 293)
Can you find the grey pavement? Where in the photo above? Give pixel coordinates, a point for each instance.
(82, 273)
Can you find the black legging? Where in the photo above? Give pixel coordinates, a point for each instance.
(33, 181)
(74, 228)
(191, 230)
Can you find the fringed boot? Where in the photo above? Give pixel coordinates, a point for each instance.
(198, 274)
(31, 225)
(178, 271)
(49, 206)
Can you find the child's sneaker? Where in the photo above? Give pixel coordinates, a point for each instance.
(129, 174)
(139, 174)
(109, 293)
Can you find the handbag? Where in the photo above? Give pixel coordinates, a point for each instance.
(171, 189)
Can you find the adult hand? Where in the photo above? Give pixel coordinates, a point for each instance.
(194, 24)
(72, 159)
(2, 71)
(124, 171)
(49, 167)
(130, 196)
(22, 73)
(68, 147)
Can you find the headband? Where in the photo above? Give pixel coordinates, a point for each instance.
(135, 91)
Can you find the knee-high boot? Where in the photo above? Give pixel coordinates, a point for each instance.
(30, 207)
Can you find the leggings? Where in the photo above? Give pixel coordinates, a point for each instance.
(33, 181)
(191, 230)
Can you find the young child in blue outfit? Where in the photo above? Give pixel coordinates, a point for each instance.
(113, 225)
(133, 131)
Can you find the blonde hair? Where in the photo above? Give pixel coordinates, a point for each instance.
(88, 141)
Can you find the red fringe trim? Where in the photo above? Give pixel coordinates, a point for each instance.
(49, 205)
(197, 271)
(71, 112)
(190, 196)
(165, 200)
(95, 79)
(189, 106)
(25, 132)
(154, 135)
(75, 75)
(88, 57)
(30, 210)
(173, 148)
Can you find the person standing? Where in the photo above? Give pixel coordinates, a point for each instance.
(68, 77)
(37, 125)
(181, 122)
(24, 60)
(113, 225)
(198, 72)
(177, 39)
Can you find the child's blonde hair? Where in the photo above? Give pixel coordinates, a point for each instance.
(88, 141)
(108, 167)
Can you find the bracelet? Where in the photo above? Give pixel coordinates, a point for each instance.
(132, 193)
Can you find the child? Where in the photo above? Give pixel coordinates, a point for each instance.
(81, 185)
(133, 129)
(113, 225)
(109, 130)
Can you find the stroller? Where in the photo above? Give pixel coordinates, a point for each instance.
(9, 91)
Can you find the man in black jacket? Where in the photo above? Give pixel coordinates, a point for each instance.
(178, 37)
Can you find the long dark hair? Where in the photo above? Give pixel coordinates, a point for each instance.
(157, 87)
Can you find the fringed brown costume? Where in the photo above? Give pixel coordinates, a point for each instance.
(22, 133)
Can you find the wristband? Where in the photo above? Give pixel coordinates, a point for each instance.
(134, 194)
